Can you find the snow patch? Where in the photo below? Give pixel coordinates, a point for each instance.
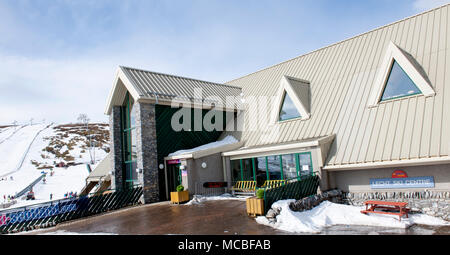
(198, 199)
(227, 140)
(327, 214)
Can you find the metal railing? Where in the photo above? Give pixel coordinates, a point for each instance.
(51, 213)
(295, 188)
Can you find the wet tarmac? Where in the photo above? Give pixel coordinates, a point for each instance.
(220, 217)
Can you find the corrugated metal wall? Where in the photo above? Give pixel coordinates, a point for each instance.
(342, 77)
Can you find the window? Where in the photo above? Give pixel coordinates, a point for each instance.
(288, 109)
(399, 75)
(129, 141)
(289, 166)
(247, 169)
(398, 84)
(235, 171)
(261, 170)
(274, 168)
(292, 101)
(305, 164)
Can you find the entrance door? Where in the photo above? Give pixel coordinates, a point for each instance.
(173, 176)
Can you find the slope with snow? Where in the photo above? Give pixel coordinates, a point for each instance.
(39, 148)
(14, 148)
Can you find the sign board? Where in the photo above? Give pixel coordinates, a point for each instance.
(173, 161)
(403, 183)
(183, 172)
(214, 184)
(399, 174)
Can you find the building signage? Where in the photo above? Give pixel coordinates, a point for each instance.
(403, 183)
(173, 161)
(214, 184)
(399, 174)
(183, 172)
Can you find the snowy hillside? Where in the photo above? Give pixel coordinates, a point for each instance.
(27, 152)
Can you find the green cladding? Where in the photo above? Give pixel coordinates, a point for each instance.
(169, 140)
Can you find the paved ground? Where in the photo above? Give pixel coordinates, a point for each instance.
(216, 217)
(220, 217)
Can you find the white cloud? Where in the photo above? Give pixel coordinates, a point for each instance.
(39, 88)
(423, 5)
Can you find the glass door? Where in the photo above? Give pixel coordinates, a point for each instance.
(173, 176)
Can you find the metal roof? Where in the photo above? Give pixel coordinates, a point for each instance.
(341, 78)
(165, 87)
(102, 170)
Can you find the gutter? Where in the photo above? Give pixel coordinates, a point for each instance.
(392, 163)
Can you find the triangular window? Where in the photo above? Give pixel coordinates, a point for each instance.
(399, 84)
(399, 75)
(292, 100)
(288, 109)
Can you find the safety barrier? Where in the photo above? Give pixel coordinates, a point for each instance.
(292, 189)
(51, 213)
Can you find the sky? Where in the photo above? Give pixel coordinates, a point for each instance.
(58, 57)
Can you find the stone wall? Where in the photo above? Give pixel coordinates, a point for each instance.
(115, 134)
(434, 203)
(147, 157)
(310, 202)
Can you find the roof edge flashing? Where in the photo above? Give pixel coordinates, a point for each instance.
(120, 79)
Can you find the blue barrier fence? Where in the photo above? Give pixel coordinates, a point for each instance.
(51, 213)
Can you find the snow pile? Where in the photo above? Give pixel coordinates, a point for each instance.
(327, 214)
(198, 199)
(227, 140)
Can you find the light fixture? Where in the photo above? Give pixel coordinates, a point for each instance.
(204, 164)
(161, 166)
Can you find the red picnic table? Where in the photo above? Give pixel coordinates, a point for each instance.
(393, 208)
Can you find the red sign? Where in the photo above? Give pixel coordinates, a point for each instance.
(399, 174)
(173, 161)
(214, 184)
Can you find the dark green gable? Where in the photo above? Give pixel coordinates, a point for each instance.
(169, 141)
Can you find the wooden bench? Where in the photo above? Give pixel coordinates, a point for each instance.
(273, 183)
(244, 188)
(392, 208)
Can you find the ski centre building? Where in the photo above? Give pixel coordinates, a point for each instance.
(367, 114)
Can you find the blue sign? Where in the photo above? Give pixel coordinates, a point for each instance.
(403, 183)
(40, 212)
